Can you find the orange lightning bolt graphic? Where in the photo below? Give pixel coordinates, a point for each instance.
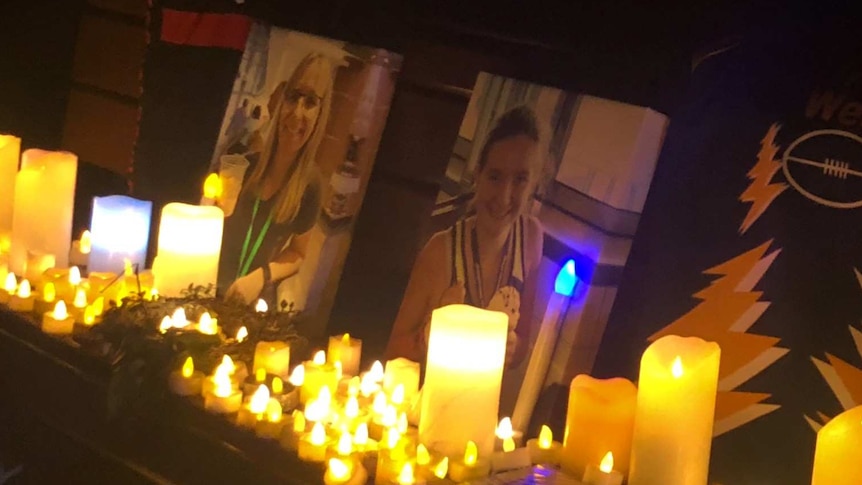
(728, 309)
(761, 193)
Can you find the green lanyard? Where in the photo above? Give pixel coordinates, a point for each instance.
(246, 258)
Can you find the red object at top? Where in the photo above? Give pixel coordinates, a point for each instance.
(223, 30)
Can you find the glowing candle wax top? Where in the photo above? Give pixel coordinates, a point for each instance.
(188, 367)
(546, 438)
(607, 464)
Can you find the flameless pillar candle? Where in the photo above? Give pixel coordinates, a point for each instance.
(838, 455)
(464, 370)
(347, 350)
(600, 417)
(44, 201)
(675, 412)
(189, 246)
(273, 357)
(10, 148)
(119, 230)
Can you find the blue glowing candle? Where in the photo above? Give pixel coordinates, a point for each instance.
(120, 230)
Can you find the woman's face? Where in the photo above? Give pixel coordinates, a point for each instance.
(505, 183)
(301, 107)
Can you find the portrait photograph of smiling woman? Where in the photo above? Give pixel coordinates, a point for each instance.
(297, 145)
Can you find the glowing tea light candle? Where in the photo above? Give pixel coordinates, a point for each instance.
(604, 474)
(544, 450)
(241, 334)
(506, 434)
(212, 189)
(23, 300)
(273, 357)
(10, 151)
(511, 457)
(44, 202)
(79, 254)
(466, 355)
(675, 411)
(272, 424)
(405, 373)
(58, 321)
(120, 230)
(207, 325)
(600, 418)
(347, 350)
(839, 450)
(261, 306)
(406, 476)
(9, 287)
(471, 467)
(318, 374)
(344, 472)
(186, 381)
(312, 447)
(253, 411)
(189, 245)
(224, 399)
(79, 304)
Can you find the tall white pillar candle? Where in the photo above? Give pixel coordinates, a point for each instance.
(10, 151)
(44, 201)
(838, 455)
(119, 230)
(188, 248)
(464, 370)
(675, 412)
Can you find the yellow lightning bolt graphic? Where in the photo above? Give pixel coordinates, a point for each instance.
(728, 309)
(761, 193)
(844, 379)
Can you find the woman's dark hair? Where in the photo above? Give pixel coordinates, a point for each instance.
(517, 121)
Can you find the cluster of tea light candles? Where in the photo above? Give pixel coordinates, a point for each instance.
(359, 423)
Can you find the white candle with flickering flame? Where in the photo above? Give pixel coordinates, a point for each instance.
(604, 474)
(471, 467)
(44, 202)
(189, 245)
(10, 151)
(58, 321)
(544, 450)
(464, 371)
(253, 410)
(23, 300)
(838, 454)
(120, 231)
(675, 411)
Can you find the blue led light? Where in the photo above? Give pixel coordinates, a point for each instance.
(566, 279)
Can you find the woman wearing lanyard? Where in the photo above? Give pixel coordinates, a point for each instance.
(488, 259)
(267, 236)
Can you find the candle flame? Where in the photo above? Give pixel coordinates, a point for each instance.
(74, 276)
(89, 315)
(99, 305)
(297, 377)
(166, 324)
(471, 454)
(277, 385)
(260, 375)
(360, 438)
(338, 470)
(188, 367)
(318, 434)
(259, 400)
(223, 387)
(378, 406)
(315, 410)
(212, 186)
(442, 468)
(85, 244)
(207, 324)
(179, 318)
(398, 395)
(345, 444)
(60, 312)
(319, 358)
(508, 445)
(227, 364)
(11, 283)
(390, 416)
(345, 339)
(546, 437)
(351, 408)
(80, 298)
(406, 475)
(368, 385)
(676, 368)
(423, 458)
(353, 386)
(261, 306)
(273, 410)
(607, 464)
(298, 421)
(392, 438)
(24, 289)
(325, 397)
(377, 371)
(241, 334)
(504, 429)
(402, 423)
(49, 292)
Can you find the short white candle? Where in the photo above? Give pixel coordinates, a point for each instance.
(58, 322)
(186, 381)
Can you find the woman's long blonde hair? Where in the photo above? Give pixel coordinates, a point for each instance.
(289, 197)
